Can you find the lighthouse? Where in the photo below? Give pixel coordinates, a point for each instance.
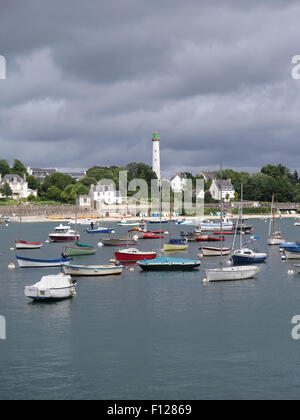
(156, 154)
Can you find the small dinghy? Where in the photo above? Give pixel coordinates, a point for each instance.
(36, 263)
(176, 245)
(169, 264)
(78, 250)
(119, 241)
(208, 251)
(92, 270)
(100, 230)
(52, 288)
(28, 245)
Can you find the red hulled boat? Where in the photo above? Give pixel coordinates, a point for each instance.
(134, 255)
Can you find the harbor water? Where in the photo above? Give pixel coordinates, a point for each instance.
(150, 335)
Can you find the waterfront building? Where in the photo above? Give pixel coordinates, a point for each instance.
(18, 185)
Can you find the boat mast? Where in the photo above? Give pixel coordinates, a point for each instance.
(76, 218)
(273, 204)
(170, 235)
(160, 214)
(20, 228)
(241, 217)
(272, 215)
(221, 189)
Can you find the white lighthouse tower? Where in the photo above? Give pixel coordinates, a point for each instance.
(156, 154)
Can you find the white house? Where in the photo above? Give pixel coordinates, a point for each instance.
(85, 201)
(18, 185)
(106, 194)
(178, 182)
(228, 192)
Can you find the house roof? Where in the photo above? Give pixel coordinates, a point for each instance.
(226, 185)
(12, 177)
(180, 174)
(209, 175)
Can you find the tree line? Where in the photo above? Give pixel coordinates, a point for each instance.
(62, 188)
(259, 186)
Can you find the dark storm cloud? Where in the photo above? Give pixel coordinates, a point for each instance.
(89, 82)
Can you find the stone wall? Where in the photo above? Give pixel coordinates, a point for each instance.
(46, 210)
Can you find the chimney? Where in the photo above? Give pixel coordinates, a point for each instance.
(24, 177)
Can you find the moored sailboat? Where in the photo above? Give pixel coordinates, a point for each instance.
(78, 249)
(21, 244)
(275, 237)
(229, 273)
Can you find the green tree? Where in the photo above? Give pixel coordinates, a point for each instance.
(19, 168)
(33, 183)
(88, 181)
(6, 190)
(54, 193)
(4, 167)
(59, 180)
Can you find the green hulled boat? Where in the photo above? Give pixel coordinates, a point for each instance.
(79, 249)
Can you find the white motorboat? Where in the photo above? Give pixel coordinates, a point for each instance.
(227, 225)
(231, 273)
(52, 287)
(64, 234)
(92, 270)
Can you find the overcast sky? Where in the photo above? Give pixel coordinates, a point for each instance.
(88, 82)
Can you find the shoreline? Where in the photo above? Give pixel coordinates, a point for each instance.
(43, 219)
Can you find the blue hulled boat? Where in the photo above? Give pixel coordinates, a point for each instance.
(247, 256)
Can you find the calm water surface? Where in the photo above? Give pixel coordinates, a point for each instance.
(150, 335)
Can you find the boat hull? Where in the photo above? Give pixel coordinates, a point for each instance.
(276, 241)
(78, 251)
(292, 255)
(51, 294)
(118, 242)
(170, 247)
(28, 245)
(231, 273)
(34, 263)
(214, 252)
(128, 257)
(238, 259)
(92, 271)
(169, 265)
(95, 231)
(62, 239)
